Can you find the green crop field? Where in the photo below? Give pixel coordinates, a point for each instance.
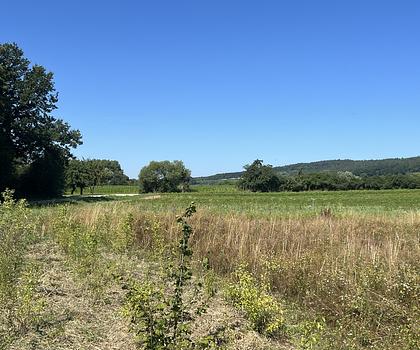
(226, 199)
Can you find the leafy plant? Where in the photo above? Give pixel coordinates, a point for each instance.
(17, 281)
(160, 316)
(310, 334)
(253, 298)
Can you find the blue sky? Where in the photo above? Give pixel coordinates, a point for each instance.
(218, 83)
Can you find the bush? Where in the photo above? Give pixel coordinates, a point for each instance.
(164, 176)
(263, 310)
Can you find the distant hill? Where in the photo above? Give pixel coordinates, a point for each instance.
(391, 166)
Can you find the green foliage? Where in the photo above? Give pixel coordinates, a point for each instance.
(29, 304)
(365, 168)
(309, 334)
(123, 238)
(78, 242)
(77, 175)
(92, 173)
(17, 279)
(159, 318)
(106, 172)
(29, 133)
(44, 177)
(253, 298)
(259, 178)
(347, 181)
(150, 316)
(164, 176)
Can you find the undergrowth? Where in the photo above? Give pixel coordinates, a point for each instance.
(19, 308)
(161, 311)
(253, 298)
(354, 281)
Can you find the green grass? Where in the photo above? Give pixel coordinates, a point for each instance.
(227, 199)
(286, 203)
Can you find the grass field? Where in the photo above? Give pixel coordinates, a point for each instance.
(229, 200)
(344, 278)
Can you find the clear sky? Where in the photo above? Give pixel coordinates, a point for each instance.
(218, 83)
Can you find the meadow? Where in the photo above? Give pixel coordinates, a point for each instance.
(228, 199)
(309, 270)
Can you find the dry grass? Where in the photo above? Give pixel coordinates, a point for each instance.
(72, 318)
(360, 273)
(82, 292)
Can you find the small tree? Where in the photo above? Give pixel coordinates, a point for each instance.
(78, 175)
(259, 178)
(164, 176)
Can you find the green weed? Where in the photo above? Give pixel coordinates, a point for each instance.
(253, 298)
(160, 315)
(17, 281)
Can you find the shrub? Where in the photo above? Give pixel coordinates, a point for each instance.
(262, 309)
(161, 319)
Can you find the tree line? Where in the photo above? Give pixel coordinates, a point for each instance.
(36, 158)
(363, 168)
(263, 178)
(93, 172)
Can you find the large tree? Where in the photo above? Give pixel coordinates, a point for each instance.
(259, 178)
(30, 136)
(164, 176)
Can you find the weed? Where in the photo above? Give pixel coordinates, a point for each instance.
(81, 244)
(263, 310)
(161, 318)
(17, 230)
(124, 237)
(310, 334)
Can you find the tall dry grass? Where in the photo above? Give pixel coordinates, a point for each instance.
(360, 273)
